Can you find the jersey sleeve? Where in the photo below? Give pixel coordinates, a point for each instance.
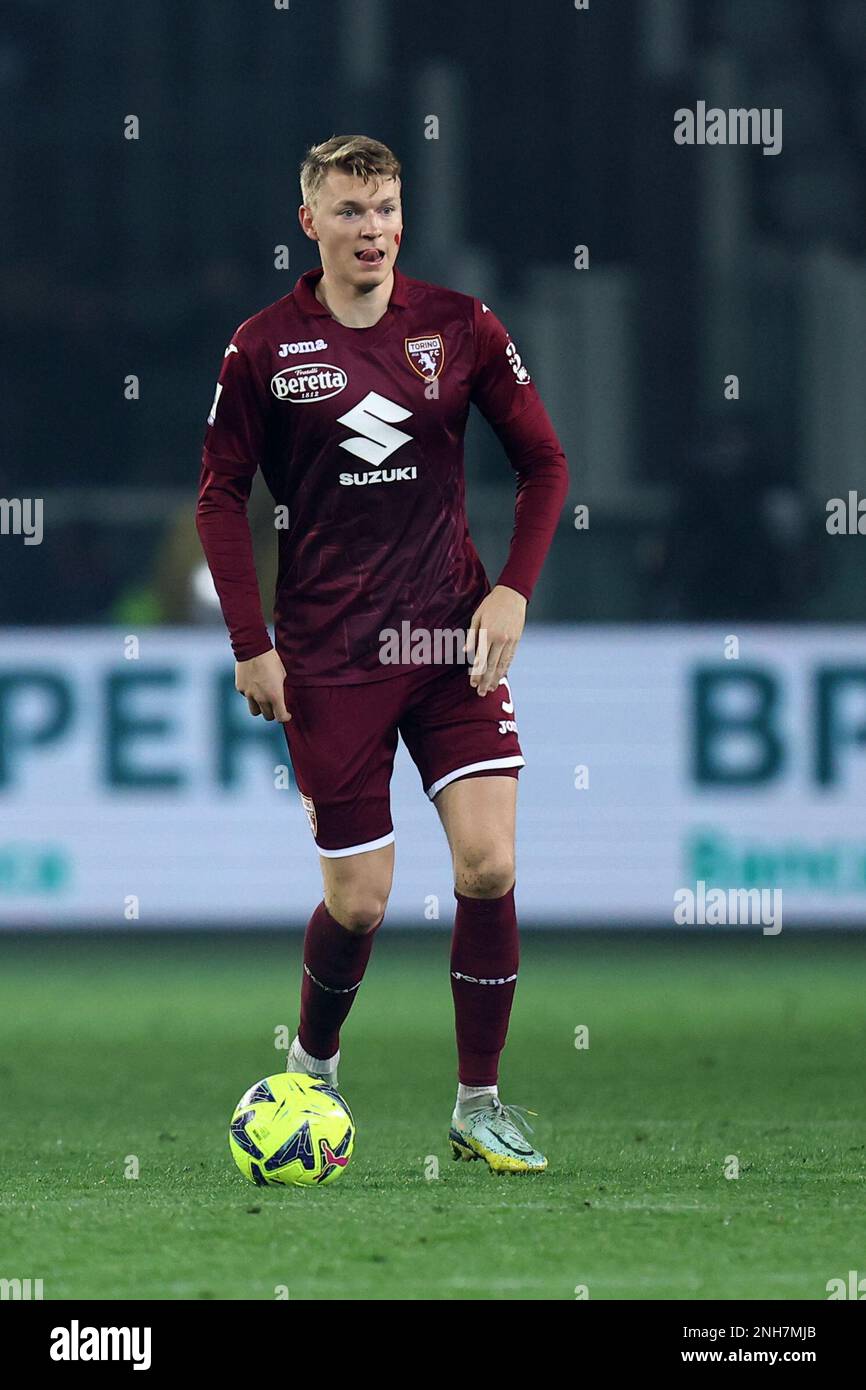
(504, 392)
(236, 436)
(224, 532)
(234, 445)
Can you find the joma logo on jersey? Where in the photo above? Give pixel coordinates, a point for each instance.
(292, 349)
(313, 381)
(426, 355)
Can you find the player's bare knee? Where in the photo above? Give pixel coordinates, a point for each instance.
(484, 874)
(358, 914)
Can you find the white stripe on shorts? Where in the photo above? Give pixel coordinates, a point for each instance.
(516, 760)
(357, 849)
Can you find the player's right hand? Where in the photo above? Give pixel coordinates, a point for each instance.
(262, 681)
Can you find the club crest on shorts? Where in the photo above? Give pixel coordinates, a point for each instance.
(307, 803)
(426, 355)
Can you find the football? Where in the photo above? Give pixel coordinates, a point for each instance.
(291, 1130)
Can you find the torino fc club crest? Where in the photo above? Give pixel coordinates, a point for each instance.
(426, 355)
(307, 803)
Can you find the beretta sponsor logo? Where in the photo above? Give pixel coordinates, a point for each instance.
(309, 381)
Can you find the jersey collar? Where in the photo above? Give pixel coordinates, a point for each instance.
(305, 293)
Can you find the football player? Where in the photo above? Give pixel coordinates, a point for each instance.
(351, 394)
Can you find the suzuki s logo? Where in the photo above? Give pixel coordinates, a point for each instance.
(314, 381)
(374, 418)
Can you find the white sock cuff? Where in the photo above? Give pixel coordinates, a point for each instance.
(315, 1063)
(465, 1093)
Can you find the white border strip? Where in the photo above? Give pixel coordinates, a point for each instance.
(356, 849)
(516, 760)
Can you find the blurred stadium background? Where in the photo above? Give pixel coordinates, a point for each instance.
(132, 786)
(691, 689)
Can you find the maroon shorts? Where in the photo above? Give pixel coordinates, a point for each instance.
(342, 740)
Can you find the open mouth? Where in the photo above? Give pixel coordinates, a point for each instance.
(370, 256)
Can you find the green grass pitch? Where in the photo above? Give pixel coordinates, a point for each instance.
(701, 1050)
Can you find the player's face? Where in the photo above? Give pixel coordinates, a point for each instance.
(351, 221)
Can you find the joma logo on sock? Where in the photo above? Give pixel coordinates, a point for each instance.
(474, 980)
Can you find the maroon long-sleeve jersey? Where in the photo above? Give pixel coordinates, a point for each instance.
(359, 435)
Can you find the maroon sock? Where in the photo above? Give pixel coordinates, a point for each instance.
(334, 963)
(485, 953)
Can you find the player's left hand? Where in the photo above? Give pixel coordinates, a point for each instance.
(495, 630)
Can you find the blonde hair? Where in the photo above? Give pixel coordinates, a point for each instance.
(352, 154)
